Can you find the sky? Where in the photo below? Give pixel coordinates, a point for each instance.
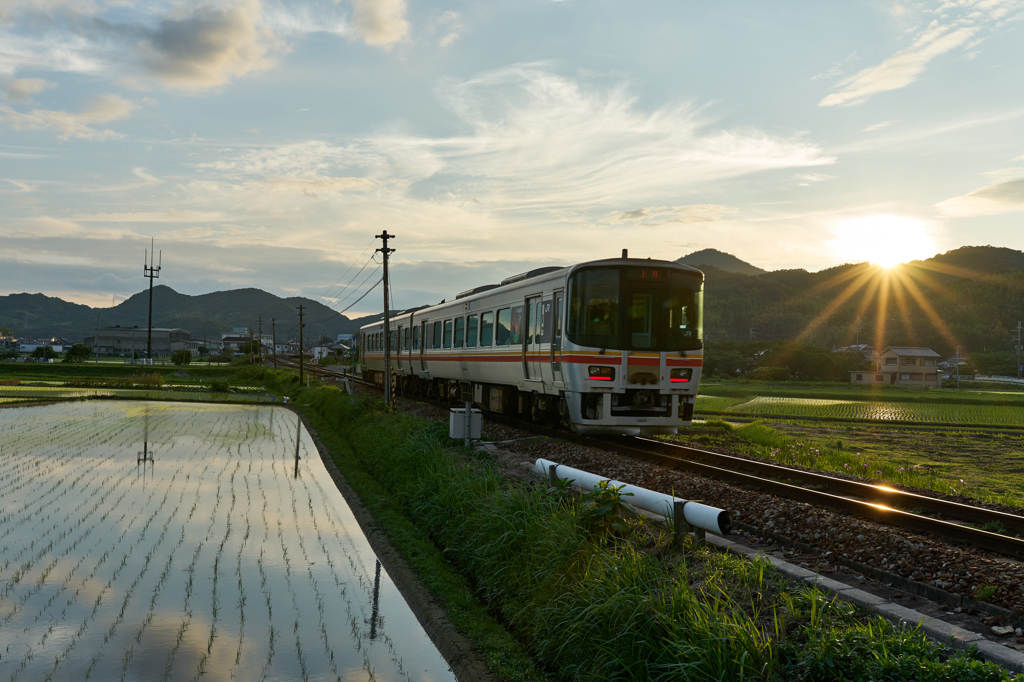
(264, 144)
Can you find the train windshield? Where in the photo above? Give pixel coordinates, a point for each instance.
(636, 308)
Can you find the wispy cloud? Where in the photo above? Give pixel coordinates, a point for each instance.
(955, 25)
(102, 109)
(662, 215)
(996, 199)
(878, 126)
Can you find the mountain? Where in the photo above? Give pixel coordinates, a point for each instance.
(723, 261)
(205, 316)
(970, 297)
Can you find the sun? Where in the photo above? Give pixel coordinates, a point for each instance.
(885, 240)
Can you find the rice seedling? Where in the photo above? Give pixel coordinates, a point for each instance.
(111, 554)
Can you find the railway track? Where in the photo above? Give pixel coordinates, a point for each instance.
(878, 503)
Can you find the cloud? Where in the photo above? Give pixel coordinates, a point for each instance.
(878, 126)
(22, 89)
(102, 109)
(450, 25)
(315, 186)
(380, 22)
(531, 141)
(954, 25)
(1002, 197)
(209, 46)
(662, 215)
(900, 70)
(808, 179)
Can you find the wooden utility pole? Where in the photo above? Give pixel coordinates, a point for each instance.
(259, 341)
(273, 331)
(301, 365)
(385, 251)
(152, 273)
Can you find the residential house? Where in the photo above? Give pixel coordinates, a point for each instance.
(901, 366)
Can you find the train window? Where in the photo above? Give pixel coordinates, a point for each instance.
(447, 333)
(545, 322)
(516, 328)
(415, 338)
(472, 326)
(640, 316)
(504, 326)
(486, 329)
(393, 345)
(405, 340)
(437, 335)
(460, 331)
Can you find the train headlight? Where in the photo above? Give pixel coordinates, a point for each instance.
(681, 375)
(602, 373)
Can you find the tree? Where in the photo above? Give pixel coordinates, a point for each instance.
(77, 353)
(46, 352)
(5, 331)
(203, 350)
(181, 357)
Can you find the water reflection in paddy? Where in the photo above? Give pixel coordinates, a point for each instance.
(147, 541)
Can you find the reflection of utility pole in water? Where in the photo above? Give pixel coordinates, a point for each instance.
(298, 438)
(145, 456)
(376, 598)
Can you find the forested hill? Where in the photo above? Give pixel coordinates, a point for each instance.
(205, 316)
(969, 297)
(720, 260)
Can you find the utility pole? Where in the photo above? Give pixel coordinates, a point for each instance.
(273, 331)
(152, 273)
(97, 348)
(385, 251)
(259, 347)
(958, 368)
(1017, 345)
(301, 366)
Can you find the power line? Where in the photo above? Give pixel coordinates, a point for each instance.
(354, 303)
(341, 312)
(347, 271)
(354, 277)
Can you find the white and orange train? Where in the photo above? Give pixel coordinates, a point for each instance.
(605, 347)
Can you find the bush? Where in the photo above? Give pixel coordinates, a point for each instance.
(181, 357)
(769, 374)
(78, 353)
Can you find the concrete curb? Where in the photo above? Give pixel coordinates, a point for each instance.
(939, 630)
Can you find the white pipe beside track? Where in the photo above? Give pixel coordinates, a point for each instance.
(702, 516)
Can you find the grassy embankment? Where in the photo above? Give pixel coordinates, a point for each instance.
(957, 460)
(586, 595)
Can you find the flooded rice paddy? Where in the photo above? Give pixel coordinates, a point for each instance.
(148, 541)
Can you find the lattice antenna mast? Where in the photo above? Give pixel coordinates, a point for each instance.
(148, 270)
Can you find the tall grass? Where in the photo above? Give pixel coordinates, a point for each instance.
(592, 605)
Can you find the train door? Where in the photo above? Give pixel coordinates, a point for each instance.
(423, 344)
(556, 336)
(534, 326)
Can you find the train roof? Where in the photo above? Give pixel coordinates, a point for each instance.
(540, 272)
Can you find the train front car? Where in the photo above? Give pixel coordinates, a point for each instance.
(633, 348)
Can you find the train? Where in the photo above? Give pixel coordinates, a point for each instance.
(612, 347)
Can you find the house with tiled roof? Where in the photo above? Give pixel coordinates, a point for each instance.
(902, 366)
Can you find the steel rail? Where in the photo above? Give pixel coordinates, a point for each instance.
(880, 513)
(890, 497)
